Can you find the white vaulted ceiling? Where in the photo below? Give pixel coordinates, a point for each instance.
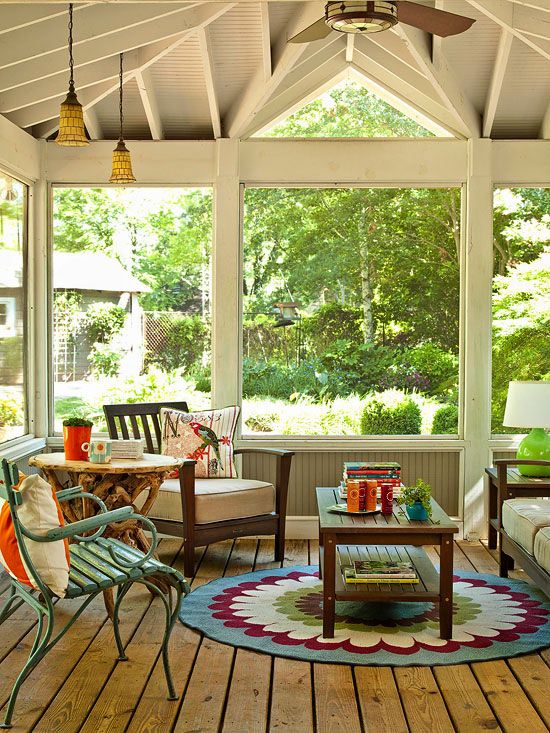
(203, 69)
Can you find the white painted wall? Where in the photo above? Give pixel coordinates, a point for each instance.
(226, 164)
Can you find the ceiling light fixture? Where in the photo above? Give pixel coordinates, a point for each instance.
(369, 16)
(72, 132)
(122, 163)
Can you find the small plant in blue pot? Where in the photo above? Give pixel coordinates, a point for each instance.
(417, 500)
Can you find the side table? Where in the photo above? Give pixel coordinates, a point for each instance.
(506, 482)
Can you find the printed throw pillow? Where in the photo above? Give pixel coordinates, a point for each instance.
(206, 437)
(39, 512)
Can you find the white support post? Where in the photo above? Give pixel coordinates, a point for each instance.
(226, 267)
(39, 392)
(477, 332)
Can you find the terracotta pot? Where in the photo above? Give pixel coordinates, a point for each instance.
(73, 437)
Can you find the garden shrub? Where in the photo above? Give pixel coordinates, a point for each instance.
(275, 380)
(381, 418)
(332, 322)
(437, 366)
(104, 360)
(103, 321)
(10, 413)
(445, 421)
(185, 341)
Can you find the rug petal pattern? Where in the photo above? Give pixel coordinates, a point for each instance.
(279, 612)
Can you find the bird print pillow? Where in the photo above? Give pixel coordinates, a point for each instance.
(206, 437)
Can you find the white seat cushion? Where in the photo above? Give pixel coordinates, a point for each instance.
(542, 548)
(216, 499)
(522, 519)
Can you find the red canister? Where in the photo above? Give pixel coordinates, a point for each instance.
(370, 504)
(386, 492)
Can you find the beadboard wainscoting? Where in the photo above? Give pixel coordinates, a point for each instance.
(441, 469)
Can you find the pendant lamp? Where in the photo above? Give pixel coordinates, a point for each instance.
(122, 163)
(72, 132)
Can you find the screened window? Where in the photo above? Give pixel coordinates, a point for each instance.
(521, 292)
(13, 317)
(351, 311)
(131, 303)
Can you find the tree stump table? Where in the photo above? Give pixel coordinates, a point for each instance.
(118, 484)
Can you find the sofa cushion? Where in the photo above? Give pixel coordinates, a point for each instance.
(542, 548)
(216, 499)
(522, 519)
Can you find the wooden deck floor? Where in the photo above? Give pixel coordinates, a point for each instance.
(80, 686)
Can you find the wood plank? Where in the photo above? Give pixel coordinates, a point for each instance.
(265, 555)
(335, 703)
(422, 701)
(291, 699)
(247, 701)
(202, 708)
(509, 702)
(154, 711)
(296, 552)
(75, 699)
(534, 677)
(242, 557)
(379, 700)
(465, 702)
(480, 558)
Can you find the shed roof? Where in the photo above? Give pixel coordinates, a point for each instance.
(76, 271)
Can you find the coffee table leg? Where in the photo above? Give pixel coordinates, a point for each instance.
(446, 588)
(329, 574)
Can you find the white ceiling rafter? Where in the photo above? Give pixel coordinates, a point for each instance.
(425, 110)
(350, 45)
(545, 127)
(468, 120)
(266, 40)
(120, 41)
(18, 16)
(149, 102)
(208, 68)
(92, 124)
(497, 78)
(514, 19)
(284, 56)
(310, 87)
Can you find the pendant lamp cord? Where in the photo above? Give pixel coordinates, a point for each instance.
(120, 98)
(71, 60)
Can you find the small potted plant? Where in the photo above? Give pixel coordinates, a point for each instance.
(417, 500)
(76, 431)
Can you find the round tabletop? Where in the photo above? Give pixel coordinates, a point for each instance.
(150, 463)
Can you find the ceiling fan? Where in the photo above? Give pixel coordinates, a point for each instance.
(372, 16)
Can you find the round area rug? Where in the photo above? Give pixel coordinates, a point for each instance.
(279, 612)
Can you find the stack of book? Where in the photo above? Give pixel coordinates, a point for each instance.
(380, 571)
(383, 472)
(127, 449)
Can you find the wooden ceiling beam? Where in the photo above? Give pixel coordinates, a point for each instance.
(149, 102)
(168, 26)
(520, 22)
(284, 56)
(468, 120)
(266, 40)
(208, 69)
(350, 45)
(497, 78)
(92, 124)
(15, 17)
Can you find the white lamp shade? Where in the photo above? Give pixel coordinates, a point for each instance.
(528, 405)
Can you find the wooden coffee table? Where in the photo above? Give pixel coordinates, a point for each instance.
(344, 538)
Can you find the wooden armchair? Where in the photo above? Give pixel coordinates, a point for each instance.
(207, 510)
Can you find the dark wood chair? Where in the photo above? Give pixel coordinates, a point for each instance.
(143, 421)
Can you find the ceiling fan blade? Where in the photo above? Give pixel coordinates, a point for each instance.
(314, 32)
(438, 22)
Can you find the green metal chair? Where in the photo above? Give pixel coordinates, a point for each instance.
(96, 564)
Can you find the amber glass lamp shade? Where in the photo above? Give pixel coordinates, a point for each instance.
(122, 165)
(72, 132)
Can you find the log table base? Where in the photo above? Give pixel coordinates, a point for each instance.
(117, 484)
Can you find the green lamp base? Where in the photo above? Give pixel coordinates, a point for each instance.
(535, 447)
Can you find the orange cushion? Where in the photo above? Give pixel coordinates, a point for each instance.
(39, 512)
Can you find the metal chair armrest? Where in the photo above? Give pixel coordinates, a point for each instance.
(84, 525)
(154, 541)
(68, 494)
